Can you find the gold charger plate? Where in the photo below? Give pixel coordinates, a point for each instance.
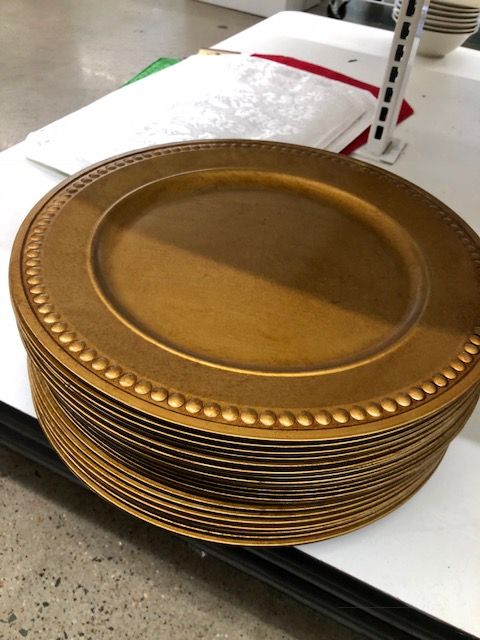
(190, 522)
(254, 289)
(159, 454)
(182, 523)
(112, 456)
(79, 397)
(382, 466)
(420, 439)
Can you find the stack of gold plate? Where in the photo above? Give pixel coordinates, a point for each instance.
(248, 342)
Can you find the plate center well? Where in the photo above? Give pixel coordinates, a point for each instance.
(259, 272)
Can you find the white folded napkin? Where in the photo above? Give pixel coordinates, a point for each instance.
(207, 97)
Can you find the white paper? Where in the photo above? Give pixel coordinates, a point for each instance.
(207, 97)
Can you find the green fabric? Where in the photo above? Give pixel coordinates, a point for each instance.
(158, 65)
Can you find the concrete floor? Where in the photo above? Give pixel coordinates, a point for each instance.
(75, 567)
(59, 55)
(72, 566)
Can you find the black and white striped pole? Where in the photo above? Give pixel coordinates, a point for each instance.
(382, 146)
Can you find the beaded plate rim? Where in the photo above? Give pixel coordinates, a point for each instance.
(77, 347)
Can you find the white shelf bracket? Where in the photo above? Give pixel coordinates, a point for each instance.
(381, 145)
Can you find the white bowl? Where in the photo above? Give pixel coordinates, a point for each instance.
(448, 26)
(447, 15)
(456, 32)
(461, 4)
(445, 25)
(454, 13)
(440, 15)
(454, 23)
(436, 45)
(455, 9)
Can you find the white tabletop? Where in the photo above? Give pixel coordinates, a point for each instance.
(427, 552)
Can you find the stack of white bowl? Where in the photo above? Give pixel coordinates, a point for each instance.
(447, 25)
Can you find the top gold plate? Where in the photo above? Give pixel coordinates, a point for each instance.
(254, 288)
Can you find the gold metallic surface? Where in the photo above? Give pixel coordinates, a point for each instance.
(205, 301)
(248, 342)
(322, 523)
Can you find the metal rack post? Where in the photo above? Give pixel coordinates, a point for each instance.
(382, 146)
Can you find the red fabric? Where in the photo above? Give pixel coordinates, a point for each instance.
(405, 111)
